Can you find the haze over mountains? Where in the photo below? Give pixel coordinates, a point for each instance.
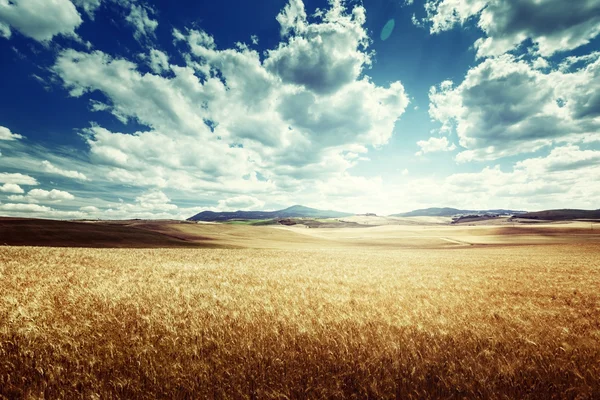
(299, 211)
(450, 212)
(296, 211)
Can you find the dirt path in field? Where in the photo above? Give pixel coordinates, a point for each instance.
(456, 241)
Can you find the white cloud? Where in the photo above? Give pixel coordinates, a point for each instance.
(39, 211)
(17, 179)
(39, 19)
(153, 204)
(158, 61)
(49, 167)
(6, 134)
(89, 6)
(155, 158)
(345, 186)
(53, 195)
(505, 107)
(568, 63)
(322, 57)
(25, 208)
(434, 144)
(233, 121)
(155, 201)
(566, 158)
(243, 202)
(139, 18)
(43, 196)
(21, 198)
(254, 39)
(90, 209)
(5, 30)
(161, 102)
(11, 188)
(568, 175)
(292, 18)
(419, 23)
(552, 25)
(540, 63)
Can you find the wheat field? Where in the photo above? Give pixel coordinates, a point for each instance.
(519, 322)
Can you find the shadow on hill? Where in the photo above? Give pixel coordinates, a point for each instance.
(48, 233)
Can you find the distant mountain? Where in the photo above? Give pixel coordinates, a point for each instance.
(450, 212)
(562, 215)
(290, 212)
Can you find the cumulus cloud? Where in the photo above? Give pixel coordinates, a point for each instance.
(157, 159)
(505, 107)
(90, 209)
(6, 134)
(50, 168)
(153, 100)
(565, 158)
(240, 203)
(89, 6)
(41, 195)
(155, 201)
(158, 61)
(11, 188)
(139, 18)
(540, 63)
(38, 211)
(39, 19)
(552, 25)
(5, 30)
(322, 57)
(153, 204)
(567, 175)
(17, 179)
(233, 120)
(434, 144)
(25, 208)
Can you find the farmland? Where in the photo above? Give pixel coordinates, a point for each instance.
(384, 312)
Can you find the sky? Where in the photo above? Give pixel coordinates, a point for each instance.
(118, 109)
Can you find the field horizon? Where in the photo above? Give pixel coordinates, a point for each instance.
(387, 312)
(403, 232)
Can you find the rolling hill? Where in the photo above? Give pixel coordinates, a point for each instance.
(101, 234)
(296, 211)
(450, 212)
(562, 215)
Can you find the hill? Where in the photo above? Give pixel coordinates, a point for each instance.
(106, 234)
(562, 215)
(450, 212)
(290, 212)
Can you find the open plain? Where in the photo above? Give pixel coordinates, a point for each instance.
(228, 311)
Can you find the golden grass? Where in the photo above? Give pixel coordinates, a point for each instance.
(518, 322)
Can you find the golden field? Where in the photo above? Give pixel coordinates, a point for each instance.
(379, 313)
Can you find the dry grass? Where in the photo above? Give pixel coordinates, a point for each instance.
(519, 322)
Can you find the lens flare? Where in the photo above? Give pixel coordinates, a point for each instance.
(388, 29)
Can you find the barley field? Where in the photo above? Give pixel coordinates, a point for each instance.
(498, 322)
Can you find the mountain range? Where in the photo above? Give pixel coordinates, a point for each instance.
(296, 211)
(450, 212)
(299, 211)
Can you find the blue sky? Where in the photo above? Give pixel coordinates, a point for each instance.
(137, 109)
